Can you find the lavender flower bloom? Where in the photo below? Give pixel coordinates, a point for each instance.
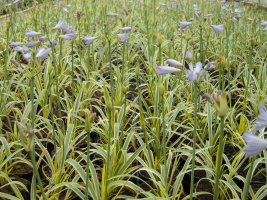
(112, 14)
(184, 24)
(66, 37)
(124, 37)
(239, 11)
(265, 29)
(263, 23)
(189, 55)
(261, 120)
(195, 73)
(166, 70)
(16, 1)
(249, 19)
(27, 56)
(173, 62)
(31, 34)
(54, 43)
(247, 25)
(235, 19)
(218, 28)
(127, 28)
(210, 66)
(208, 15)
(61, 25)
(19, 69)
(32, 44)
(64, 10)
(42, 52)
(126, 10)
(14, 44)
(18, 49)
(14, 62)
(255, 144)
(89, 40)
(43, 38)
(192, 19)
(69, 6)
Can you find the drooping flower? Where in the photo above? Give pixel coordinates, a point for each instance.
(14, 44)
(263, 23)
(210, 66)
(265, 29)
(218, 28)
(184, 24)
(192, 19)
(247, 25)
(189, 55)
(208, 15)
(166, 70)
(20, 49)
(261, 121)
(27, 56)
(64, 10)
(89, 40)
(54, 43)
(43, 38)
(31, 34)
(32, 44)
(195, 72)
(249, 19)
(255, 144)
(42, 52)
(173, 62)
(16, 1)
(61, 25)
(14, 62)
(69, 6)
(112, 14)
(124, 37)
(66, 37)
(127, 28)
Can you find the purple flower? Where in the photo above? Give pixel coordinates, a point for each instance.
(31, 34)
(127, 28)
(195, 72)
(124, 37)
(54, 43)
(89, 40)
(112, 14)
(261, 121)
(210, 66)
(42, 52)
(14, 44)
(43, 38)
(32, 44)
(255, 144)
(166, 70)
(27, 56)
(66, 37)
(218, 28)
(173, 62)
(263, 23)
(184, 24)
(61, 25)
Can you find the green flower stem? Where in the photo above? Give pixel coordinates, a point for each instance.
(36, 173)
(194, 142)
(141, 113)
(248, 180)
(219, 161)
(250, 67)
(164, 142)
(52, 117)
(6, 54)
(108, 153)
(87, 162)
(123, 120)
(72, 73)
(111, 78)
(122, 69)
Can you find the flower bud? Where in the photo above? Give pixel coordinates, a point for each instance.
(208, 97)
(137, 70)
(87, 121)
(189, 55)
(14, 62)
(159, 37)
(30, 132)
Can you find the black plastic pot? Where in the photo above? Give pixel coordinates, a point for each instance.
(93, 136)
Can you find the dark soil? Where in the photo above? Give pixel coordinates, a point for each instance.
(204, 186)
